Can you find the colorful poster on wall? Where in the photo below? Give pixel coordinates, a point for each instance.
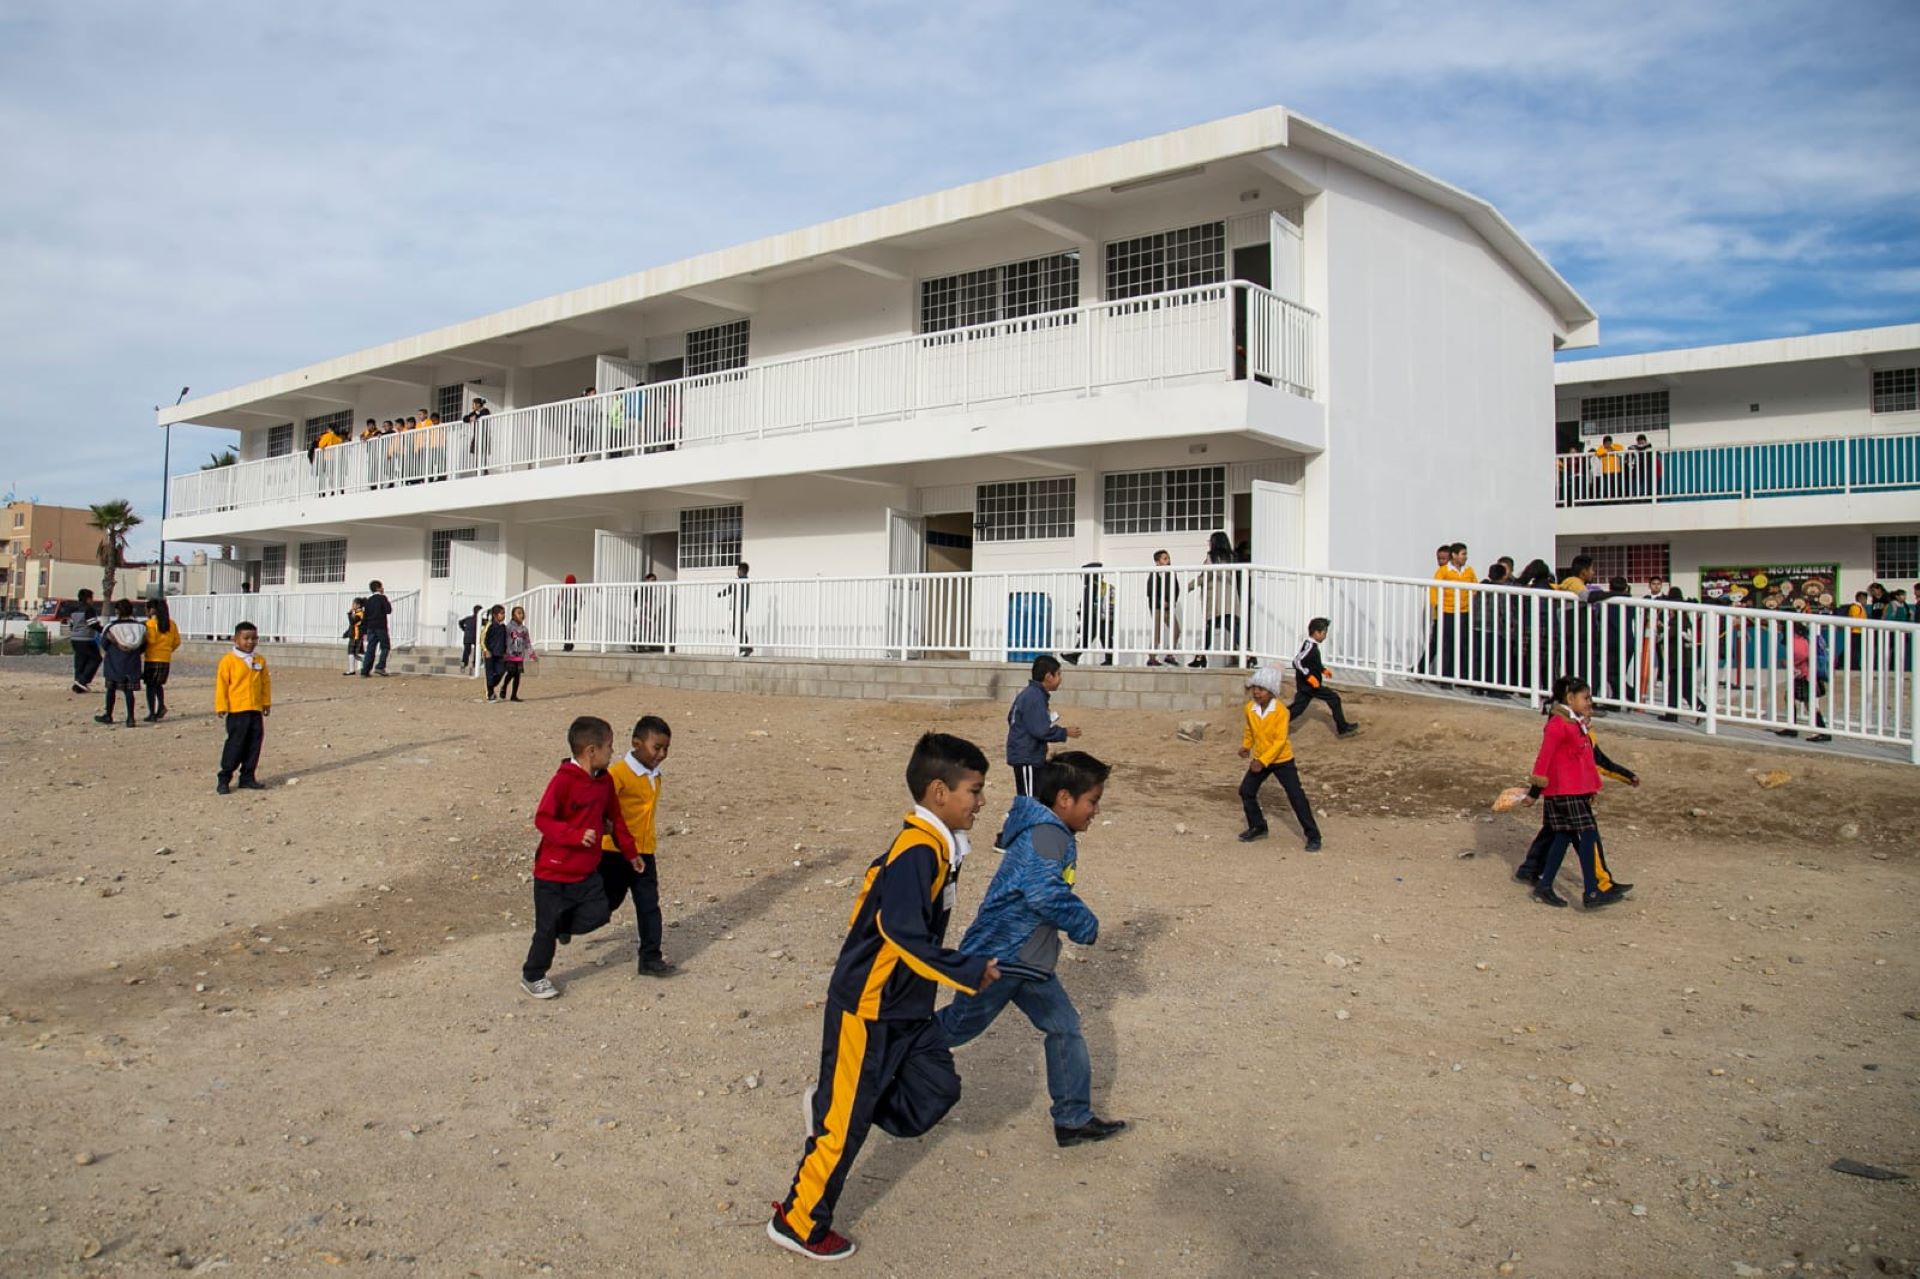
(1818, 584)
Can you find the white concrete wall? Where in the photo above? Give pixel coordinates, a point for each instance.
(1440, 370)
(1799, 400)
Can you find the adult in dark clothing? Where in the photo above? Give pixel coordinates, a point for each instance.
(742, 598)
(83, 631)
(469, 636)
(375, 638)
(1096, 616)
(1676, 650)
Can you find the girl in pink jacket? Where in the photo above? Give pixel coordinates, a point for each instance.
(1567, 773)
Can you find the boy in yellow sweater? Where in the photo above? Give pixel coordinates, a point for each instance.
(243, 696)
(1269, 753)
(636, 783)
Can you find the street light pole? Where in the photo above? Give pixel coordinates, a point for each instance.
(166, 477)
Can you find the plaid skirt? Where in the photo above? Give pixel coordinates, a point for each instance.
(1570, 814)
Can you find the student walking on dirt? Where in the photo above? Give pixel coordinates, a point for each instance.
(519, 652)
(121, 645)
(375, 638)
(1567, 772)
(1269, 753)
(577, 811)
(1312, 680)
(163, 640)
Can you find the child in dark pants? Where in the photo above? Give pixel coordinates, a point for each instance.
(1529, 869)
(636, 785)
(1311, 679)
(577, 811)
(121, 644)
(883, 1057)
(493, 646)
(1269, 753)
(1567, 773)
(243, 696)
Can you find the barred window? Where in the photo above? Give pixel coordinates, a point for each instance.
(1628, 415)
(715, 350)
(1177, 501)
(1023, 510)
(1167, 260)
(323, 561)
(447, 403)
(273, 564)
(1896, 390)
(442, 560)
(1032, 287)
(280, 440)
(1637, 562)
(1896, 558)
(710, 537)
(340, 423)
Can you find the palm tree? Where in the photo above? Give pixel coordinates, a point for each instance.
(115, 520)
(217, 460)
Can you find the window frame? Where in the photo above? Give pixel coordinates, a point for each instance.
(1007, 510)
(440, 549)
(1896, 573)
(273, 567)
(314, 427)
(1902, 394)
(1048, 285)
(1620, 559)
(280, 440)
(718, 348)
(448, 408)
(1163, 261)
(711, 536)
(1164, 487)
(328, 574)
(1639, 412)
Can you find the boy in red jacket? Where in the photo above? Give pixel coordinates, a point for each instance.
(1566, 773)
(579, 807)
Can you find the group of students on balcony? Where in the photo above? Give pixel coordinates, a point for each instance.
(424, 456)
(1609, 472)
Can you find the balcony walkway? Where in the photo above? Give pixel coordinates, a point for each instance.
(1833, 467)
(1212, 333)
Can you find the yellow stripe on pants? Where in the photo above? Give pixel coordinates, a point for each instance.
(817, 1168)
(1601, 878)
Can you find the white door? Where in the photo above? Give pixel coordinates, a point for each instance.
(1278, 593)
(906, 554)
(618, 557)
(1288, 269)
(476, 574)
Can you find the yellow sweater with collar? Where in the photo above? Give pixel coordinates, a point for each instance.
(639, 797)
(237, 687)
(1265, 738)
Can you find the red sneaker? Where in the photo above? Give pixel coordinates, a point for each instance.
(832, 1246)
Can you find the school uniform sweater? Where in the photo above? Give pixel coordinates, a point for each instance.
(162, 644)
(241, 684)
(575, 803)
(1030, 726)
(1308, 670)
(895, 954)
(637, 789)
(1265, 736)
(1570, 762)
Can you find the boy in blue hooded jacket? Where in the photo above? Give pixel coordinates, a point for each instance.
(1030, 901)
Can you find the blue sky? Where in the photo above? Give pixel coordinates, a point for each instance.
(207, 192)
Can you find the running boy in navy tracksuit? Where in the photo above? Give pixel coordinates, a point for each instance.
(883, 1057)
(1311, 680)
(1031, 725)
(1029, 902)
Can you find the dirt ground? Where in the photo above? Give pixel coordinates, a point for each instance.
(282, 1032)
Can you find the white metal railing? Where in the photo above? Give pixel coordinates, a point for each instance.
(1713, 666)
(1791, 468)
(1220, 331)
(290, 617)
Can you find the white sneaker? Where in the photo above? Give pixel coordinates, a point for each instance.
(542, 989)
(806, 1108)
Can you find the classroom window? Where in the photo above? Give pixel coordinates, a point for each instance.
(280, 440)
(1637, 562)
(1023, 510)
(715, 350)
(446, 402)
(710, 537)
(1624, 416)
(322, 561)
(1031, 287)
(1896, 390)
(1167, 260)
(1176, 501)
(1896, 558)
(273, 564)
(441, 564)
(340, 424)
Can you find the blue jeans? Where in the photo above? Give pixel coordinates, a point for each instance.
(375, 642)
(1048, 1007)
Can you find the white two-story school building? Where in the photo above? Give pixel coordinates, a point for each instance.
(1255, 325)
(1790, 465)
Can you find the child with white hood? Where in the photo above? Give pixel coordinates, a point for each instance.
(1269, 753)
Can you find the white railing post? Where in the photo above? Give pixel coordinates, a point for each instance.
(1379, 634)
(1710, 647)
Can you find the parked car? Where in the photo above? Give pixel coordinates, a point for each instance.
(13, 622)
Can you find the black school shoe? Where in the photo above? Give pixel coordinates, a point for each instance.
(1095, 1129)
(657, 968)
(1253, 833)
(1594, 901)
(1544, 894)
(249, 783)
(221, 788)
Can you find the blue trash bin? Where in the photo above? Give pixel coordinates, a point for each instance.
(1029, 625)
